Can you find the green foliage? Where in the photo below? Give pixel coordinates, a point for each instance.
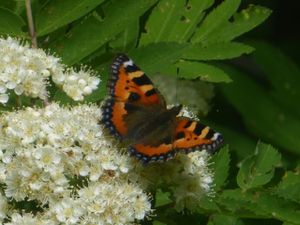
(50, 18)
(281, 72)
(260, 205)
(221, 162)
(258, 169)
(99, 31)
(216, 51)
(93, 30)
(215, 19)
(204, 71)
(180, 20)
(223, 220)
(10, 23)
(254, 103)
(288, 188)
(242, 22)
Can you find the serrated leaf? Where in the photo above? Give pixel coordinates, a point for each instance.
(127, 39)
(208, 204)
(204, 71)
(288, 188)
(218, 219)
(214, 19)
(159, 57)
(220, 166)
(261, 204)
(180, 20)
(162, 198)
(11, 23)
(57, 13)
(258, 169)
(170, 11)
(286, 88)
(242, 22)
(92, 33)
(218, 51)
(252, 102)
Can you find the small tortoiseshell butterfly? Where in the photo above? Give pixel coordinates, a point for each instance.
(135, 111)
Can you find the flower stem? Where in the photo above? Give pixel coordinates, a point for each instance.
(32, 33)
(31, 24)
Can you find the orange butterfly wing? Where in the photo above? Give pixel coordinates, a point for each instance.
(189, 135)
(129, 89)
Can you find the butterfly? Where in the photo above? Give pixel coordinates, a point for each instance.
(135, 111)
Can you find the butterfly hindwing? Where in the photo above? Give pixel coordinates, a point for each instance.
(191, 135)
(188, 136)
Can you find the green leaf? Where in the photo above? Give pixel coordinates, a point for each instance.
(170, 11)
(258, 169)
(207, 204)
(218, 219)
(162, 198)
(92, 33)
(159, 57)
(220, 166)
(127, 39)
(261, 115)
(218, 51)
(262, 204)
(286, 87)
(8, 4)
(288, 188)
(214, 19)
(205, 72)
(242, 22)
(61, 97)
(57, 13)
(11, 23)
(241, 145)
(180, 20)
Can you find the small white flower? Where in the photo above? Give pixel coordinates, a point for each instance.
(25, 219)
(3, 207)
(44, 151)
(4, 98)
(27, 71)
(67, 211)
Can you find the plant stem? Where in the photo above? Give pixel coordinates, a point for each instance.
(31, 24)
(32, 34)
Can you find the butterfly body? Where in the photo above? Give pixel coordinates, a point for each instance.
(136, 112)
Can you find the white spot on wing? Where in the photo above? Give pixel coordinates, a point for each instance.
(215, 137)
(128, 63)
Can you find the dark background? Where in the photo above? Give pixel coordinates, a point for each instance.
(282, 28)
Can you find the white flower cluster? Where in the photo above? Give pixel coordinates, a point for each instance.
(60, 158)
(187, 177)
(193, 93)
(27, 71)
(194, 181)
